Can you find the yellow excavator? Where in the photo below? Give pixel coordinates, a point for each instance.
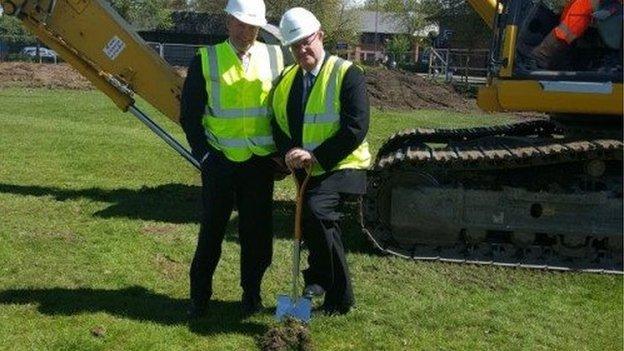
(539, 193)
(543, 194)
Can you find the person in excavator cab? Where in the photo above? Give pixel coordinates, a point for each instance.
(575, 19)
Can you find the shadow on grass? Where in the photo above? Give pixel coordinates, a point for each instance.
(135, 303)
(172, 203)
(181, 203)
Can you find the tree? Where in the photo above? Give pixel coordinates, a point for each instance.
(178, 5)
(210, 6)
(412, 15)
(13, 33)
(336, 16)
(338, 20)
(457, 15)
(469, 30)
(398, 46)
(144, 14)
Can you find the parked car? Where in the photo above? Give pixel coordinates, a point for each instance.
(44, 53)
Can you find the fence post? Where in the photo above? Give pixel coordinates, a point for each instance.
(466, 68)
(448, 76)
(430, 62)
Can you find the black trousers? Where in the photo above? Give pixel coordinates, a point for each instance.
(327, 262)
(249, 184)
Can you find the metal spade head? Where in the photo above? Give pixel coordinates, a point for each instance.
(301, 309)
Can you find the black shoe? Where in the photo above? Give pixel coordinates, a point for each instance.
(251, 304)
(313, 290)
(336, 309)
(196, 311)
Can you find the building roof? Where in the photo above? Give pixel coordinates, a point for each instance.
(380, 22)
(389, 23)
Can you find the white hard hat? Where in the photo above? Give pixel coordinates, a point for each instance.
(248, 11)
(296, 24)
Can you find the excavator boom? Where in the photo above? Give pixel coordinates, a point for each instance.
(96, 41)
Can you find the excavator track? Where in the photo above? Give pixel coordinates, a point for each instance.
(521, 195)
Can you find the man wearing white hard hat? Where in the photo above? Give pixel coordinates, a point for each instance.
(225, 118)
(321, 117)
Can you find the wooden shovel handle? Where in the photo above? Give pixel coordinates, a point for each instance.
(299, 206)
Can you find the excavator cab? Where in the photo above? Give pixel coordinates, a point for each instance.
(590, 84)
(595, 56)
(533, 193)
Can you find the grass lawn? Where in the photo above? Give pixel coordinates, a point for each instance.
(98, 222)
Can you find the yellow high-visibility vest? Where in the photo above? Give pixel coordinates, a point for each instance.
(322, 113)
(236, 119)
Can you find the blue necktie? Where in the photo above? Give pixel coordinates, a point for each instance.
(308, 82)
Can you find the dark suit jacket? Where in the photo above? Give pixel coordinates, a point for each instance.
(192, 106)
(354, 122)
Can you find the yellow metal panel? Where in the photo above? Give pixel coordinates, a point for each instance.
(122, 100)
(530, 96)
(78, 5)
(509, 50)
(487, 99)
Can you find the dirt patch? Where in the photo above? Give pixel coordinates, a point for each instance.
(169, 267)
(63, 235)
(41, 75)
(400, 90)
(158, 229)
(293, 335)
(388, 89)
(98, 331)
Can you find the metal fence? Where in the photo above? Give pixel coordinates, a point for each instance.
(32, 51)
(175, 54)
(465, 64)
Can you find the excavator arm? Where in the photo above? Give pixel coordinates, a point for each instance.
(97, 42)
(486, 9)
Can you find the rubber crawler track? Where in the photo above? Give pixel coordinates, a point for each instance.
(517, 145)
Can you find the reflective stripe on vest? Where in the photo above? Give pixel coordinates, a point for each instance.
(239, 126)
(331, 114)
(215, 109)
(322, 112)
(237, 143)
(567, 32)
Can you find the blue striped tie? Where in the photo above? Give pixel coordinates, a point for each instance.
(308, 82)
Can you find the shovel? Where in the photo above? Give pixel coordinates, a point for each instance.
(295, 306)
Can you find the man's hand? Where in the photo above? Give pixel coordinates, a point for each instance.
(280, 171)
(299, 158)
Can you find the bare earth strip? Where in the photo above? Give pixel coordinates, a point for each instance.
(388, 89)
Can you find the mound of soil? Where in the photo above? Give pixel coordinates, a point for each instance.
(37, 75)
(394, 89)
(293, 335)
(388, 89)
